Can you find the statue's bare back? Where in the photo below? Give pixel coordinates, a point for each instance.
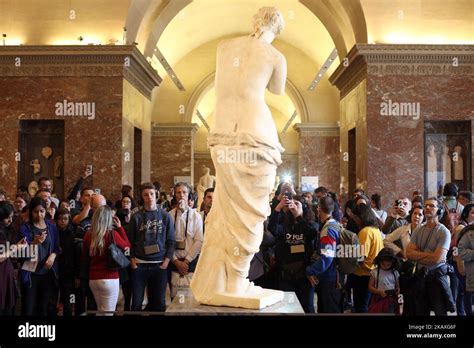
(246, 67)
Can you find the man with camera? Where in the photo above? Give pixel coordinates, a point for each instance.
(189, 237)
(428, 246)
(294, 238)
(398, 215)
(152, 239)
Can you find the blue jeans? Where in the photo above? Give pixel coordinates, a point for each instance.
(468, 302)
(457, 289)
(432, 296)
(155, 278)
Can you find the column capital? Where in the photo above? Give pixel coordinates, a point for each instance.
(365, 60)
(317, 129)
(124, 61)
(174, 129)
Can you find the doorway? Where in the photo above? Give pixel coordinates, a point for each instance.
(352, 161)
(137, 161)
(41, 145)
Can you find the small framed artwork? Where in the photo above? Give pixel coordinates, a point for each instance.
(186, 179)
(309, 183)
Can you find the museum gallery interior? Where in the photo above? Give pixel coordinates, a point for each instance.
(378, 95)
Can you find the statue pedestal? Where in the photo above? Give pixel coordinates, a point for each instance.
(185, 304)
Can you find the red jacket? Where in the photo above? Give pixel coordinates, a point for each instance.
(98, 263)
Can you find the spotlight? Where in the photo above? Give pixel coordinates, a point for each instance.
(286, 178)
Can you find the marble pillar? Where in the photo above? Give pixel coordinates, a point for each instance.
(319, 153)
(406, 86)
(172, 153)
(48, 75)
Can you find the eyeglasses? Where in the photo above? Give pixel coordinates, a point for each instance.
(431, 206)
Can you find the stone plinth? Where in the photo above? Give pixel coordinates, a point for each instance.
(185, 304)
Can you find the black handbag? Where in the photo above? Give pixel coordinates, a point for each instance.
(116, 259)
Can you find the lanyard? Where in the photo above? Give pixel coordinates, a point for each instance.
(187, 218)
(204, 223)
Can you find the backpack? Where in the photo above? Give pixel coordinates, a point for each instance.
(348, 249)
(451, 217)
(465, 230)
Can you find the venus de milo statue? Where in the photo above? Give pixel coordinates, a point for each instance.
(246, 67)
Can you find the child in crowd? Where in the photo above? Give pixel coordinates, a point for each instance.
(66, 260)
(384, 284)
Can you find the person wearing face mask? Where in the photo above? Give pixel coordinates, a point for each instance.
(39, 274)
(189, 237)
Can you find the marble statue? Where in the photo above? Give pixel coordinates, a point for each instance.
(46, 152)
(458, 164)
(32, 188)
(277, 182)
(431, 172)
(206, 181)
(36, 166)
(446, 165)
(244, 129)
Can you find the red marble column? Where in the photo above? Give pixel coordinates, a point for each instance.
(319, 153)
(172, 153)
(34, 79)
(435, 80)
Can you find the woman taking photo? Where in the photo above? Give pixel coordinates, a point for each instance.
(104, 282)
(39, 274)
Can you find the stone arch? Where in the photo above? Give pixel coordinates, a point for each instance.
(343, 19)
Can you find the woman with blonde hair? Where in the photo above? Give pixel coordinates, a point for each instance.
(103, 281)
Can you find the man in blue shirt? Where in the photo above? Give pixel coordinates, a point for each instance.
(322, 273)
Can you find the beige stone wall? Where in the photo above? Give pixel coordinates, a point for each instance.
(136, 113)
(354, 114)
